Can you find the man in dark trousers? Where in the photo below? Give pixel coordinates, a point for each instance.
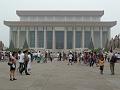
(26, 59)
(112, 63)
(60, 56)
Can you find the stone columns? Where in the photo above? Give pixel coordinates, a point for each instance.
(65, 39)
(53, 43)
(44, 38)
(18, 36)
(27, 36)
(74, 38)
(109, 35)
(83, 35)
(35, 38)
(10, 37)
(92, 36)
(101, 38)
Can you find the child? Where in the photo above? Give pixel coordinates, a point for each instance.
(101, 63)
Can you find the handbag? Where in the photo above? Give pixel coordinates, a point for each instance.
(9, 63)
(13, 65)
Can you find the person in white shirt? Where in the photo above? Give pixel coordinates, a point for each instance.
(118, 56)
(38, 56)
(21, 61)
(58, 56)
(38, 53)
(29, 63)
(19, 52)
(109, 56)
(70, 56)
(35, 55)
(26, 60)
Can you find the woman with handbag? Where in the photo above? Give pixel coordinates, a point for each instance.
(101, 63)
(12, 64)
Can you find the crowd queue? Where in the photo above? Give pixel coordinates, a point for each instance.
(88, 58)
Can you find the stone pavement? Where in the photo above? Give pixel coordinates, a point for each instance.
(60, 76)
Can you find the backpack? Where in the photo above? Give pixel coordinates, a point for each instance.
(113, 59)
(26, 59)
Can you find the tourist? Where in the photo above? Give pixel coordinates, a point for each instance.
(21, 60)
(81, 58)
(12, 64)
(26, 60)
(119, 56)
(109, 56)
(95, 58)
(112, 64)
(38, 57)
(46, 56)
(70, 56)
(35, 55)
(75, 57)
(60, 56)
(101, 63)
(50, 56)
(64, 56)
(29, 62)
(105, 56)
(91, 60)
(85, 58)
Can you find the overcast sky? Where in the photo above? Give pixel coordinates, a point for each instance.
(8, 11)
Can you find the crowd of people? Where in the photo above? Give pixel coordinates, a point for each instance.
(88, 58)
(24, 59)
(3, 56)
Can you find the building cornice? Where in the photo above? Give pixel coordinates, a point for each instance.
(59, 12)
(32, 23)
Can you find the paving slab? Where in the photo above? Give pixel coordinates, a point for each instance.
(60, 76)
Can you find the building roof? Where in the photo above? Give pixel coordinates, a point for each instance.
(58, 12)
(32, 23)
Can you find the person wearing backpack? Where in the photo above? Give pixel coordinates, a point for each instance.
(112, 64)
(26, 60)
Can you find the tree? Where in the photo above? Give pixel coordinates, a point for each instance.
(111, 49)
(91, 45)
(106, 45)
(11, 46)
(25, 46)
(119, 41)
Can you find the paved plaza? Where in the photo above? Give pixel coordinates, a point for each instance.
(60, 76)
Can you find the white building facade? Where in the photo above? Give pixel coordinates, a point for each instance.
(56, 30)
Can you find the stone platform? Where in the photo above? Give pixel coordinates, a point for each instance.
(60, 76)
